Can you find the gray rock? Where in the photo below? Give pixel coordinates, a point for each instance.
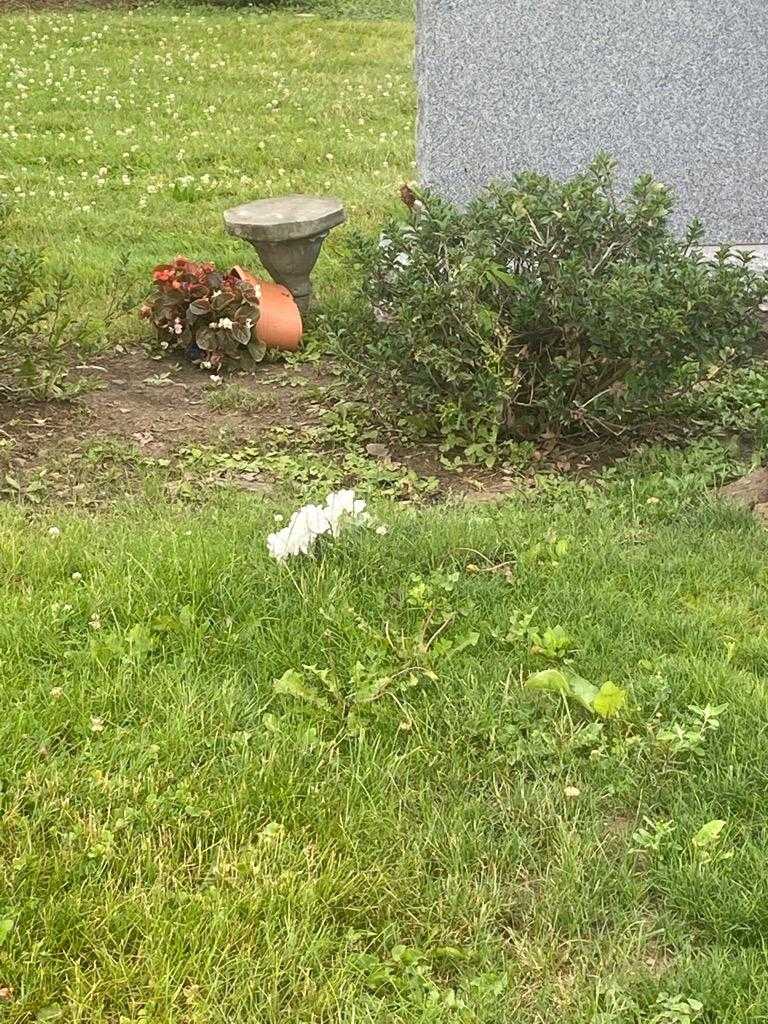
(678, 88)
(749, 492)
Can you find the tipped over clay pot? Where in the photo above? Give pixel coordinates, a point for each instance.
(279, 324)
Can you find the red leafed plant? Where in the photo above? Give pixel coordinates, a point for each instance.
(211, 314)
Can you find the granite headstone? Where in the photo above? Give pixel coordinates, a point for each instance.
(678, 88)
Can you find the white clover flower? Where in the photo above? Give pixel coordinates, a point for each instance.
(54, 531)
(382, 531)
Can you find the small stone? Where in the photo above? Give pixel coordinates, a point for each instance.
(378, 451)
(748, 492)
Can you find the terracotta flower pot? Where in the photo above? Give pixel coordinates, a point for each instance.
(279, 324)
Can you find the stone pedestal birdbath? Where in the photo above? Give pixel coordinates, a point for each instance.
(287, 233)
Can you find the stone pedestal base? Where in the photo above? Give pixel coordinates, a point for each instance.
(288, 234)
(291, 263)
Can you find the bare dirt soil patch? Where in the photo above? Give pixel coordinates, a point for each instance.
(142, 411)
(159, 405)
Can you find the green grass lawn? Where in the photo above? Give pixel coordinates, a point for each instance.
(389, 10)
(181, 843)
(131, 132)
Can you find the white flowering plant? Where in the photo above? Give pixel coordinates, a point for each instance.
(212, 315)
(305, 527)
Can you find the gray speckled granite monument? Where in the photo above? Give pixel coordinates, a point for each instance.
(675, 87)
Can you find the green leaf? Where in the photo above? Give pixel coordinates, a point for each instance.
(51, 1012)
(503, 277)
(372, 690)
(583, 692)
(610, 700)
(257, 350)
(708, 834)
(273, 830)
(447, 647)
(551, 680)
(448, 954)
(294, 684)
(6, 927)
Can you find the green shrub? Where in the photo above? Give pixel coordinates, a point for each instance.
(38, 333)
(544, 306)
(33, 327)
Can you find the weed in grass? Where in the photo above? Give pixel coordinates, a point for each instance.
(200, 841)
(239, 398)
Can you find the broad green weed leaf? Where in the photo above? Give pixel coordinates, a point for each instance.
(372, 690)
(273, 830)
(609, 700)
(448, 954)
(582, 691)
(6, 927)
(708, 834)
(51, 1012)
(490, 984)
(293, 684)
(551, 680)
(447, 648)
